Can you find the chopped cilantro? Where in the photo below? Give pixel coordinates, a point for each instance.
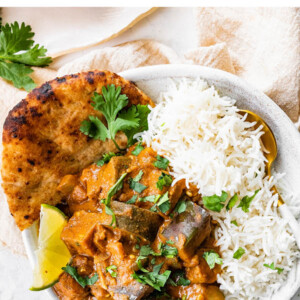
(246, 201)
(239, 253)
(231, 203)
(234, 222)
(164, 180)
(151, 198)
(154, 278)
(179, 279)
(164, 203)
(106, 158)
(180, 206)
(111, 271)
(134, 183)
(110, 212)
(138, 149)
(215, 202)
(272, 267)
(113, 190)
(168, 251)
(132, 200)
(161, 162)
(83, 281)
(212, 258)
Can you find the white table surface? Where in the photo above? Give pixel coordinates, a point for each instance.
(173, 27)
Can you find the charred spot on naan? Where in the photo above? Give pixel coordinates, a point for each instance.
(42, 141)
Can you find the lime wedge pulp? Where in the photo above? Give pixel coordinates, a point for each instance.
(52, 254)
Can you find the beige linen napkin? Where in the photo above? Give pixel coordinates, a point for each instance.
(263, 46)
(226, 41)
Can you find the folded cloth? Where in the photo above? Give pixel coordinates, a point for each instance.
(263, 46)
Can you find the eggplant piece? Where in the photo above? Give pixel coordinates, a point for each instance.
(134, 291)
(188, 229)
(134, 219)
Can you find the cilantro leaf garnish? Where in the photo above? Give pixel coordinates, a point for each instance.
(215, 202)
(106, 158)
(110, 269)
(234, 222)
(151, 198)
(178, 279)
(161, 162)
(168, 251)
(246, 201)
(154, 279)
(272, 267)
(239, 253)
(142, 112)
(17, 54)
(180, 207)
(212, 258)
(164, 180)
(83, 281)
(231, 203)
(134, 183)
(132, 200)
(138, 149)
(112, 191)
(164, 203)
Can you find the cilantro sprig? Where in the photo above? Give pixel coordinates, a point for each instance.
(18, 53)
(83, 281)
(111, 103)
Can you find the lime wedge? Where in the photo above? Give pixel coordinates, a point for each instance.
(52, 253)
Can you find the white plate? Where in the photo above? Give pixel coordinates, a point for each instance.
(154, 79)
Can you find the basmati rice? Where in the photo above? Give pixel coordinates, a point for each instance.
(210, 145)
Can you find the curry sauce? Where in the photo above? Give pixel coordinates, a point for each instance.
(150, 247)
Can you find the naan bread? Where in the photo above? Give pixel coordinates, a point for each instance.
(42, 141)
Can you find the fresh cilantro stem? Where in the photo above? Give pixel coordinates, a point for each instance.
(18, 53)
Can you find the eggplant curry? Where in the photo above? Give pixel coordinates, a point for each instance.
(133, 234)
